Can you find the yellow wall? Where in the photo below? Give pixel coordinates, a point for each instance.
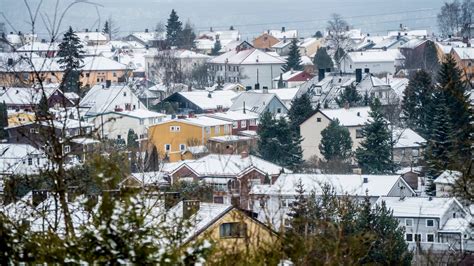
(160, 134)
(20, 118)
(15, 79)
(258, 236)
(468, 70)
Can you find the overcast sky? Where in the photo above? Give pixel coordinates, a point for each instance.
(250, 16)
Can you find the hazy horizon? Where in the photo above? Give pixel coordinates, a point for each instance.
(250, 17)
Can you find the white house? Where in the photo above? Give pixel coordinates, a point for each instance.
(21, 159)
(351, 118)
(373, 61)
(116, 125)
(272, 202)
(245, 65)
(437, 224)
(259, 103)
(445, 181)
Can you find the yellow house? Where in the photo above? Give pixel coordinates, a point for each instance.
(228, 228)
(17, 119)
(174, 138)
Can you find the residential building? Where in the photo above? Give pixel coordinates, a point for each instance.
(373, 61)
(231, 176)
(115, 125)
(272, 202)
(285, 95)
(259, 103)
(232, 144)
(353, 119)
(39, 48)
(101, 99)
(21, 159)
(309, 46)
(240, 120)
(148, 38)
(201, 101)
(436, 224)
(465, 60)
(291, 79)
(284, 34)
(445, 181)
(93, 38)
(265, 41)
(206, 39)
(247, 66)
(28, 99)
(408, 147)
(174, 138)
(282, 48)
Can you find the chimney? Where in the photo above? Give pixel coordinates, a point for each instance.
(346, 105)
(257, 86)
(211, 29)
(146, 30)
(190, 114)
(43, 40)
(365, 180)
(190, 88)
(209, 95)
(321, 74)
(96, 30)
(265, 89)
(244, 108)
(430, 198)
(358, 114)
(108, 83)
(190, 207)
(10, 62)
(244, 155)
(87, 30)
(283, 29)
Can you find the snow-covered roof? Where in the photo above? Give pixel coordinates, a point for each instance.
(224, 35)
(201, 121)
(246, 57)
(390, 55)
(179, 53)
(39, 47)
(306, 61)
(92, 36)
(25, 96)
(141, 113)
(149, 36)
(285, 94)
(293, 75)
(100, 63)
(356, 116)
(230, 138)
(14, 155)
(281, 34)
(222, 165)
(234, 115)
(209, 100)
(398, 85)
(414, 33)
(151, 178)
(448, 177)
(418, 206)
(353, 185)
(465, 53)
(407, 138)
(455, 225)
(281, 44)
(254, 101)
(412, 44)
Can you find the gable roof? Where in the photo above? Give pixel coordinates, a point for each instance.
(294, 76)
(254, 101)
(390, 55)
(200, 121)
(419, 206)
(201, 98)
(356, 116)
(353, 185)
(407, 138)
(26, 96)
(448, 177)
(234, 115)
(246, 57)
(281, 34)
(465, 53)
(14, 155)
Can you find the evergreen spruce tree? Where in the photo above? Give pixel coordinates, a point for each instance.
(174, 28)
(299, 210)
(430, 58)
(301, 109)
(374, 155)
(71, 58)
(217, 47)
(132, 139)
(350, 95)
(280, 81)
(318, 34)
(294, 58)
(187, 37)
(43, 108)
(336, 143)
(106, 29)
(416, 100)
(322, 60)
(339, 55)
(3, 121)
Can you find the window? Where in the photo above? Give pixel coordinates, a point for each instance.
(409, 237)
(278, 110)
(228, 230)
(235, 124)
(119, 136)
(243, 123)
(30, 161)
(429, 237)
(417, 237)
(175, 128)
(124, 94)
(359, 134)
(253, 122)
(217, 129)
(430, 223)
(182, 147)
(454, 215)
(226, 129)
(318, 119)
(142, 121)
(414, 153)
(167, 147)
(67, 149)
(115, 74)
(151, 120)
(219, 200)
(408, 222)
(208, 130)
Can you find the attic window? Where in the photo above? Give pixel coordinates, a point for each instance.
(232, 230)
(318, 119)
(124, 94)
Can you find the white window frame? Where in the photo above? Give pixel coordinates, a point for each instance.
(243, 123)
(412, 237)
(430, 220)
(167, 148)
(408, 219)
(235, 124)
(175, 128)
(67, 149)
(182, 147)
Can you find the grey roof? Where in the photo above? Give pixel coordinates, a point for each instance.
(254, 101)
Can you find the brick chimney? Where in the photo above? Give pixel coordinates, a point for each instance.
(244, 154)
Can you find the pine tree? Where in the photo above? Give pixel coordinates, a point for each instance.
(299, 210)
(280, 81)
(294, 58)
(336, 143)
(187, 37)
(43, 108)
(349, 95)
(375, 151)
(132, 139)
(71, 58)
(416, 100)
(3, 121)
(217, 47)
(339, 55)
(301, 109)
(318, 34)
(322, 60)
(430, 58)
(174, 28)
(106, 29)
